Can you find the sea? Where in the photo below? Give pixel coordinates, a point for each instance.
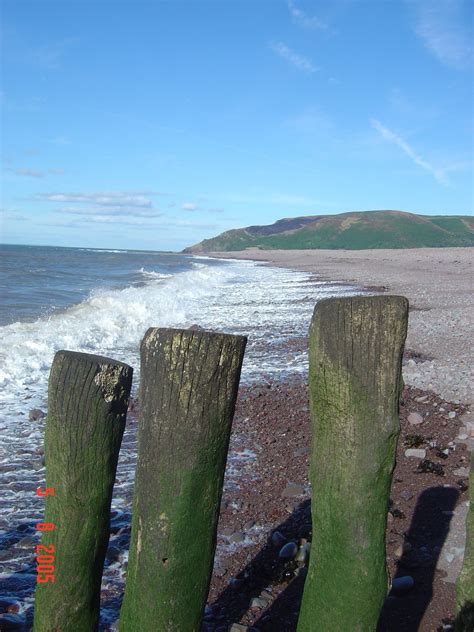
(102, 302)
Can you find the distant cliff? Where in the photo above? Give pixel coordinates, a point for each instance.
(352, 231)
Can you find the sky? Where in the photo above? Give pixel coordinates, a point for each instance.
(153, 125)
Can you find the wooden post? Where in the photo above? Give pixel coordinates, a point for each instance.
(87, 405)
(356, 348)
(188, 389)
(465, 583)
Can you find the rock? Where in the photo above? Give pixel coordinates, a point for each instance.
(258, 603)
(36, 414)
(303, 552)
(292, 490)
(237, 537)
(421, 399)
(406, 494)
(415, 419)
(415, 453)
(452, 414)
(9, 605)
(463, 472)
(403, 548)
(239, 627)
(278, 539)
(462, 437)
(288, 551)
(403, 584)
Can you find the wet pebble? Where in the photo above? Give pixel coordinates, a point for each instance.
(288, 551)
(278, 539)
(403, 584)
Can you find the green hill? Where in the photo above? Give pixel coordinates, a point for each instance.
(351, 231)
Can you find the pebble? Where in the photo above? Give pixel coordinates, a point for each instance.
(463, 472)
(278, 539)
(403, 548)
(402, 584)
(288, 551)
(237, 537)
(415, 419)
(36, 414)
(303, 552)
(415, 453)
(292, 490)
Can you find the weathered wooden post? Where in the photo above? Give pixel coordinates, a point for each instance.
(87, 405)
(188, 388)
(465, 583)
(356, 347)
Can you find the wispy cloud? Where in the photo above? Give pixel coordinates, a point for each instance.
(294, 59)
(305, 21)
(27, 173)
(109, 211)
(392, 137)
(133, 199)
(190, 206)
(105, 207)
(444, 30)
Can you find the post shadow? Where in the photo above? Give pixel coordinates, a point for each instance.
(265, 569)
(430, 524)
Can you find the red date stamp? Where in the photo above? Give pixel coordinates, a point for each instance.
(45, 553)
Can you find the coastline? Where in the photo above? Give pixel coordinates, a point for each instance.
(438, 282)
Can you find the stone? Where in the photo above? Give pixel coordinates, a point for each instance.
(462, 437)
(292, 490)
(303, 552)
(403, 548)
(36, 414)
(237, 537)
(415, 453)
(258, 603)
(403, 584)
(452, 414)
(278, 539)
(415, 419)
(288, 551)
(463, 472)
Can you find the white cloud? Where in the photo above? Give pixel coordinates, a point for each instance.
(305, 21)
(138, 199)
(294, 59)
(190, 206)
(28, 173)
(444, 30)
(109, 211)
(387, 134)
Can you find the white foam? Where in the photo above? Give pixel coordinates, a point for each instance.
(241, 297)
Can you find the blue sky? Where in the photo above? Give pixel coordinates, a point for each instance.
(153, 125)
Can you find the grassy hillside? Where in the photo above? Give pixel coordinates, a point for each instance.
(351, 231)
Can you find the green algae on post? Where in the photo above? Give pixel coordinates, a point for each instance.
(188, 388)
(465, 582)
(87, 407)
(356, 348)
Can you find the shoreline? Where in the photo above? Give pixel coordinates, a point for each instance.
(438, 282)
